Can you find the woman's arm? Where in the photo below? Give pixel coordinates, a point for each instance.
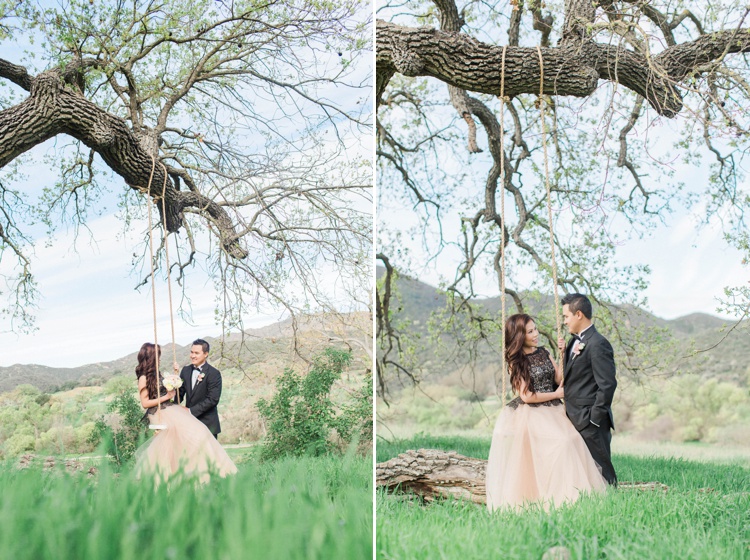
(533, 398)
(143, 393)
(558, 372)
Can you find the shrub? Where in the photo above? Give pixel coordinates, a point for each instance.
(355, 419)
(119, 384)
(121, 430)
(301, 415)
(19, 443)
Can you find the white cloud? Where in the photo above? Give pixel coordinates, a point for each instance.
(90, 311)
(690, 268)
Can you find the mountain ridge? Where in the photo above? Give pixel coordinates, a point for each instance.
(247, 347)
(686, 323)
(697, 342)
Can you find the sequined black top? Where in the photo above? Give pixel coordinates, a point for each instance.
(542, 372)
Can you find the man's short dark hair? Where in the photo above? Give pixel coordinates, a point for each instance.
(203, 344)
(578, 302)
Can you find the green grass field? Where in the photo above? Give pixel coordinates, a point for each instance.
(705, 514)
(294, 508)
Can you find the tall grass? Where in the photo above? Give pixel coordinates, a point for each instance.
(705, 514)
(297, 508)
(471, 447)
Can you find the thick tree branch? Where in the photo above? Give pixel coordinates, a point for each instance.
(570, 69)
(52, 109)
(16, 74)
(680, 60)
(462, 61)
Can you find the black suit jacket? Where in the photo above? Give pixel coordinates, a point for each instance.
(203, 399)
(590, 381)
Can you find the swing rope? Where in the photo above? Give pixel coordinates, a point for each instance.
(542, 105)
(153, 276)
(166, 252)
(504, 372)
(153, 293)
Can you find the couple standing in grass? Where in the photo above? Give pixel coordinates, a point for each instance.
(188, 439)
(543, 450)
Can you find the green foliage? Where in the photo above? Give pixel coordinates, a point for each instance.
(121, 430)
(118, 384)
(690, 408)
(19, 443)
(441, 409)
(25, 415)
(301, 508)
(355, 419)
(63, 422)
(301, 415)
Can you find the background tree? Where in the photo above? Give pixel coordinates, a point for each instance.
(246, 119)
(629, 88)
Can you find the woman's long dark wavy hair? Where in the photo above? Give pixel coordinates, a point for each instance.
(518, 361)
(147, 366)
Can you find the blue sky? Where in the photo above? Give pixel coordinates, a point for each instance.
(690, 265)
(689, 268)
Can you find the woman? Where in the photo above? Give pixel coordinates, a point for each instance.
(186, 445)
(536, 454)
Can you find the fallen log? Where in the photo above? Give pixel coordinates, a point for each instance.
(433, 474)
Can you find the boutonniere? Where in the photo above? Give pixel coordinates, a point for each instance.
(201, 375)
(578, 349)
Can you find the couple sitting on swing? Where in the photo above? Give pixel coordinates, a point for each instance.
(186, 442)
(544, 451)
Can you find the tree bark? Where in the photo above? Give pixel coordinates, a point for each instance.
(573, 68)
(461, 61)
(431, 474)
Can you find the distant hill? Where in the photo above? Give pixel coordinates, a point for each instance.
(267, 348)
(710, 345)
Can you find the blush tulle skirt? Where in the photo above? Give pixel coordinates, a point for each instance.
(186, 447)
(537, 456)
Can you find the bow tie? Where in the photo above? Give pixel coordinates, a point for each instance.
(197, 369)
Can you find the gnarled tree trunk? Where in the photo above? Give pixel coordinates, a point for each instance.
(56, 106)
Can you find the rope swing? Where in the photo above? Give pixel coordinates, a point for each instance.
(542, 106)
(504, 373)
(159, 425)
(166, 254)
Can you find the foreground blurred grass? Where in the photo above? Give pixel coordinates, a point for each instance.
(293, 508)
(705, 514)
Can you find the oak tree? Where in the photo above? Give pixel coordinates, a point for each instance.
(244, 122)
(627, 90)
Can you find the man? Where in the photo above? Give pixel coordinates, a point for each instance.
(589, 378)
(201, 385)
